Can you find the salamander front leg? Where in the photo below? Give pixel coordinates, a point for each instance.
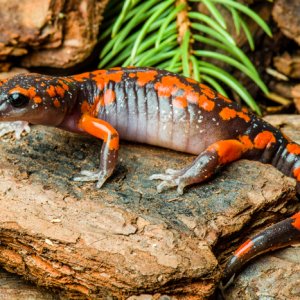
(109, 150)
(204, 166)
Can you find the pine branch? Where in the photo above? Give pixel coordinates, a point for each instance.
(169, 35)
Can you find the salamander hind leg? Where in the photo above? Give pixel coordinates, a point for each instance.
(109, 150)
(204, 166)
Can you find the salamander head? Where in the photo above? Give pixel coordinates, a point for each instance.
(35, 98)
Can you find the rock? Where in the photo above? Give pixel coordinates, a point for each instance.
(296, 96)
(59, 34)
(289, 125)
(125, 239)
(286, 15)
(288, 64)
(272, 276)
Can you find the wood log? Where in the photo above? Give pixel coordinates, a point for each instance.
(125, 239)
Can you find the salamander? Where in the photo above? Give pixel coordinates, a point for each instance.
(160, 108)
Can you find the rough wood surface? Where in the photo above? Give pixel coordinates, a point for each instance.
(12, 287)
(60, 33)
(125, 239)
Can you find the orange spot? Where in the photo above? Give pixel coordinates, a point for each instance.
(99, 72)
(227, 150)
(132, 75)
(296, 218)
(207, 91)
(60, 91)
(51, 91)
(179, 102)
(91, 109)
(3, 81)
(244, 116)
(264, 139)
(56, 103)
(69, 79)
(114, 143)
(37, 99)
(194, 97)
(82, 77)
(245, 140)
(244, 248)
(296, 173)
(293, 148)
(205, 103)
(191, 80)
(43, 84)
(229, 113)
(163, 91)
(99, 82)
(18, 89)
(85, 107)
(170, 85)
(224, 98)
(29, 93)
(102, 77)
(144, 77)
(64, 86)
(100, 129)
(115, 77)
(109, 97)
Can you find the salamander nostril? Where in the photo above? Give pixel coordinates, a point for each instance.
(18, 100)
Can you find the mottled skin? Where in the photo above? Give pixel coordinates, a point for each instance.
(159, 108)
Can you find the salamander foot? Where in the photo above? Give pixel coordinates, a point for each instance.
(198, 171)
(170, 179)
(99, 176)
(18, 127)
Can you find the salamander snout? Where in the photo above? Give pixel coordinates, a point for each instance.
(35, 98)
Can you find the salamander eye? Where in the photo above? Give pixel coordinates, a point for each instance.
(18, 100)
